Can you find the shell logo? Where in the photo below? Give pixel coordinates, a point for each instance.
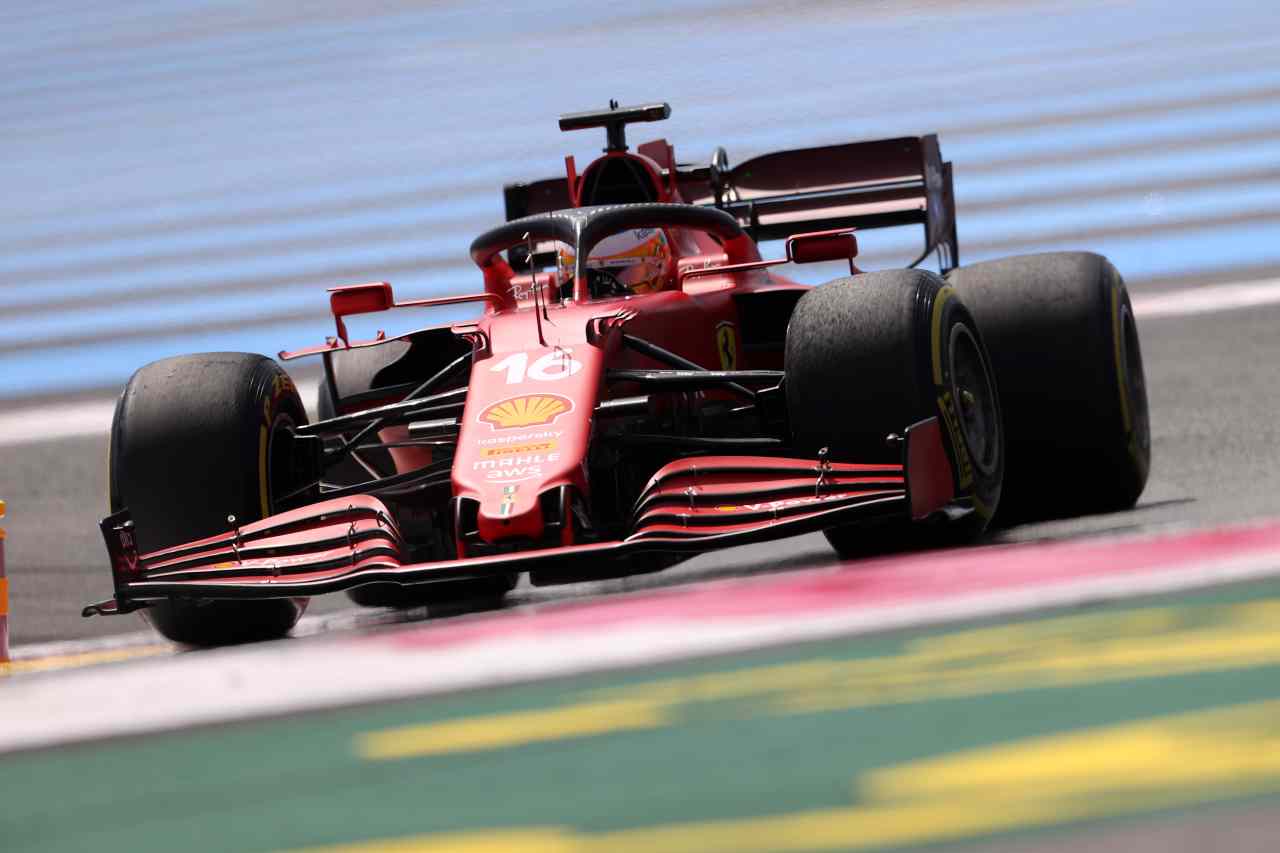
(529, 410)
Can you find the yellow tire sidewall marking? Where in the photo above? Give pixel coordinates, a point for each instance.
(1122, 379)
(281, 385)
(936, 335)
(264, 434)
(946, 405)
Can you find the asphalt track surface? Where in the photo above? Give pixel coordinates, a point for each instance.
(1139, 130)
(1213, 412)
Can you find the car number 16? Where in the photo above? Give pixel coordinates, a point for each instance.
(558, 364)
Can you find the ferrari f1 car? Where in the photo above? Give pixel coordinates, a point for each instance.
(640, 386)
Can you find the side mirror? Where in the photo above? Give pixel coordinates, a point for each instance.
(838, 245)
(358, 299)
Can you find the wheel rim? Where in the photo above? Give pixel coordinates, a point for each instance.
(975, 397)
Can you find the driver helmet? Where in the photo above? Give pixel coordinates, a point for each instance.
(638, 259)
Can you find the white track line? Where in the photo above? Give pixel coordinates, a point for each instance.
(90, 418)
(50, 422)
(1207, 300)
(308, 626)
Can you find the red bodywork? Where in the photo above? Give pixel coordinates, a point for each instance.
(539, 386)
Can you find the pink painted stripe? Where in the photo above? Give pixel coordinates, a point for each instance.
(4, 599)
(912, 579)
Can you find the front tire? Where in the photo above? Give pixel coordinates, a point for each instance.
(871, 354)
(195, 439)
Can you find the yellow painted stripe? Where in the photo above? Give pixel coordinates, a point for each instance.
(499, 731)
(1143, 766)
(1225, 749)
(528, 840)
(1051, 653)
(72, 661)
(4, 596)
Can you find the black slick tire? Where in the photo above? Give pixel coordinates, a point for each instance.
(196, 439)
(1065, 349)
(871, 354)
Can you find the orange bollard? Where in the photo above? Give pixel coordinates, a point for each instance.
(4, 599)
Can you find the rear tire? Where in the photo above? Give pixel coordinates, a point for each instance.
(871, 354)
(195, 439)
(1066, 355)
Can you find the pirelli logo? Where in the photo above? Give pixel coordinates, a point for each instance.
(964, 466)
(516, 449)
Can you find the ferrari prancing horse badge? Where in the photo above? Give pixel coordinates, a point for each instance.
(727, 345)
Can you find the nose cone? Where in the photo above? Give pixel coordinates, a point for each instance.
(521, 447)
(525, 431)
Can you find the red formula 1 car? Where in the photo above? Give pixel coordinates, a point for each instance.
(640, 387)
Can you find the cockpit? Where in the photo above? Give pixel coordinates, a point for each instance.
(628, 250)
(634, 261)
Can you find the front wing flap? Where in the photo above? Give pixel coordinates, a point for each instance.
(691, 505)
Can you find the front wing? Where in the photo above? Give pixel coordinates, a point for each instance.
(692, 505)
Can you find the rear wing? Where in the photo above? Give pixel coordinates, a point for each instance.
(875, 184)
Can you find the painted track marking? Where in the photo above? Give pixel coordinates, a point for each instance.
(1062, 652)
(56, 421)
(534, 643)
(1161, 762)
